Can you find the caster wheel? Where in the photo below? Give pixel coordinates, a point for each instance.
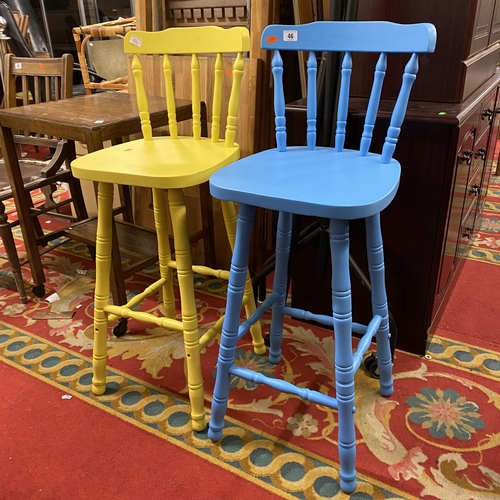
(39, 290)
(371, 364)
(374, 370)
(120, 329)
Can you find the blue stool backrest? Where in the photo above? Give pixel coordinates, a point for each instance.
(348, 37)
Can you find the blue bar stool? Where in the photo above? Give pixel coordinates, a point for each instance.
(333, 183)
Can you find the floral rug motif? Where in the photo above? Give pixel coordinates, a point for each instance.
(436, 437)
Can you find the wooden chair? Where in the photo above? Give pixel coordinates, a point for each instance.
(85, 36)
(9, 244)
(32, 80)
(333, 183)
(170, 163)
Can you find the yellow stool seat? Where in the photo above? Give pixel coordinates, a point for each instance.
(163, 162)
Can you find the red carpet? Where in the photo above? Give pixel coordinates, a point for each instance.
(54, 448)
(439, 431)
(473, 311)
(472, 314)
(437, 437)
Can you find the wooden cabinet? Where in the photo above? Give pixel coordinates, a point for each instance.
(463, 159)
(472, 175)
(445, 151)
(466, 54)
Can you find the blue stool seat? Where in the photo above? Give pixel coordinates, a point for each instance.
(351, 186)
(333, 183)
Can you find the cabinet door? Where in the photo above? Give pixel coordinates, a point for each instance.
(492, 155)
(473, 190)
(466, 232)
(464, 161)
(495, 24)
(482, 25)
(480, 185)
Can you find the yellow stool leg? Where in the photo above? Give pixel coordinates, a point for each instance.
(230, 216)
(188, 307)
(102, 280)
(160, 215)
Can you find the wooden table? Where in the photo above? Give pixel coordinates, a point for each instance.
(91, 119)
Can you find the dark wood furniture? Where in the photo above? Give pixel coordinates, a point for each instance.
(446, 151)
(92, 120)
(31, 80)
(446, 148)
(466, 54)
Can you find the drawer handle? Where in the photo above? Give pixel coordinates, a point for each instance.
(475, 190)
(481, 153)
(487, 113)
(467, 232)
(466, 156)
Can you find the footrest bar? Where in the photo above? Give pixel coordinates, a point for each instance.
(204, 271)
(124, 312)
(308, 316)
(139, 298)
(208, 271)
(359, 328)
(257, 314)
(282, 386)
(211, 333)
(366, 340)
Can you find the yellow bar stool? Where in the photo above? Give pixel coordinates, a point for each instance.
(169, 163)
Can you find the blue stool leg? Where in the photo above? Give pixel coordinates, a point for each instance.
(344, 370)
(375, 252)
(229, 335)
(283, 239)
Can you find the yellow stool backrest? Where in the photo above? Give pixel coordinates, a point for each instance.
(195, 41)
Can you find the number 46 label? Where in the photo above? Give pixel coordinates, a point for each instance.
(290, 35)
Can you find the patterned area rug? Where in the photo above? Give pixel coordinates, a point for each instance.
(486, 245)
(437, 437)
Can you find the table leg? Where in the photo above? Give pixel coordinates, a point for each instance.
(76, 188)
(118, 291)
(125, 195)
(95, 143)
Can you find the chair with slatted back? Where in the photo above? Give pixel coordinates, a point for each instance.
(334, 183)
(170, 163)
(27, 81)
